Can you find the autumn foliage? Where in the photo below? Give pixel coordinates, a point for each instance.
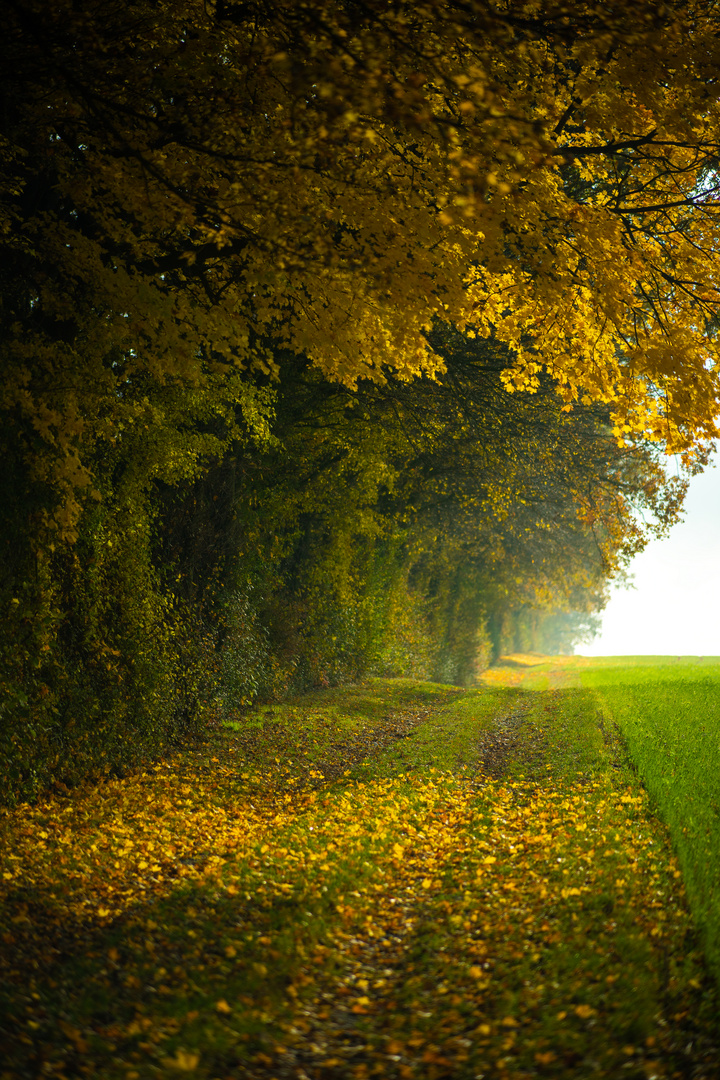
(334, 338)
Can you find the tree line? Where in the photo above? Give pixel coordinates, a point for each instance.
(336, 339)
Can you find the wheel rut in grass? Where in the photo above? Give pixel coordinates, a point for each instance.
(513, 740)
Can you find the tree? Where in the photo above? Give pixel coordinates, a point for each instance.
(194, 187)
(468, 504)
(196, 201)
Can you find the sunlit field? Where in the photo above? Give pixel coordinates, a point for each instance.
(669, 714)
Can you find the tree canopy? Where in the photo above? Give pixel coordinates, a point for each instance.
(332, 177)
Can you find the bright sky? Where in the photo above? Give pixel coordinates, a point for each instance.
(675, 605)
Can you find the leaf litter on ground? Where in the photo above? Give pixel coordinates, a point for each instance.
(218, 916)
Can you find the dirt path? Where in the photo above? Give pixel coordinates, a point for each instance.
(514, 739)
(361, 885)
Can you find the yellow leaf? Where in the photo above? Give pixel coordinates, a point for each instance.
(398, 851)
(184, 1061)
(222, 1006)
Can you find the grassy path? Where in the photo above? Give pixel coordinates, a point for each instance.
(399, 880)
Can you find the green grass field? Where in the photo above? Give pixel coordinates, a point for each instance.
(397, 879)
(669, 714)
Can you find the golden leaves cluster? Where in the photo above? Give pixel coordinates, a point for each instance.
(334, 181)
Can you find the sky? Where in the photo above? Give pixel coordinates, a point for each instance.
(674, 607)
